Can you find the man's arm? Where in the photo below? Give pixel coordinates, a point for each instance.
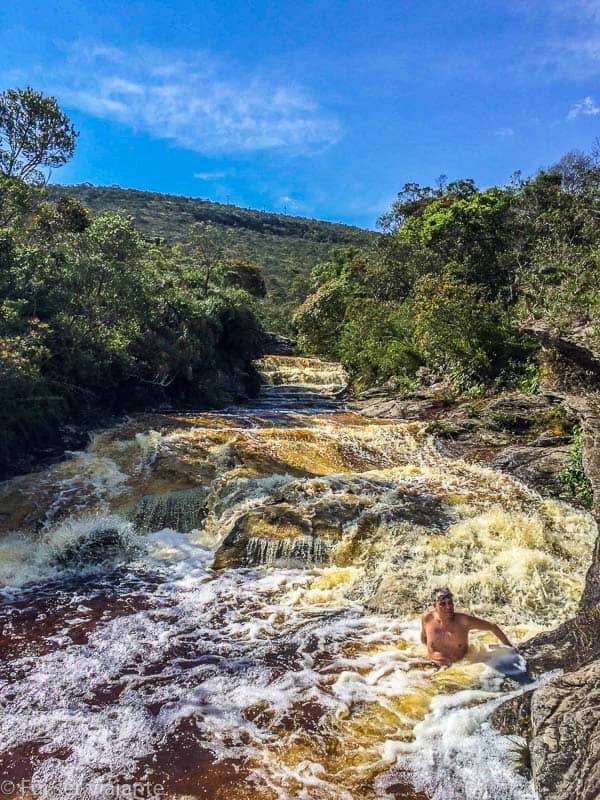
(474, 623)
(423, 631)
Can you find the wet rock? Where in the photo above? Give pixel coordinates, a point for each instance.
(573, 643)
(271, 523)
(565, 743)
(550, 440)
(538, 465)
(589, 409)
(576, 351)
(181, 510)
(386, 405)
(528, 436)
(96, 547)
(298, 370)
(516, 412)
(297, 520)
(298, 551)
(276, 345)
(514, 717)
(561, 720)
(323, 520)
(565, 713)
(564, 717)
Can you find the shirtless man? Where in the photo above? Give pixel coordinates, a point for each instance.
(446, 633)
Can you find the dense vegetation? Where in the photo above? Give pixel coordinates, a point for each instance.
(93, 317)
(286, 248)
(447, 291)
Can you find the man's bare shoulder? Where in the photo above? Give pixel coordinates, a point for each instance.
(426, 616)
(465, 619)
(469, 621)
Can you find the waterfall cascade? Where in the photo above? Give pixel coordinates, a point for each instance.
(226, 605)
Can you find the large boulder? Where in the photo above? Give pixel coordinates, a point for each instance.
(538, 464)
(525, 435)
(567, 647)
(565, 737)
(561, 719)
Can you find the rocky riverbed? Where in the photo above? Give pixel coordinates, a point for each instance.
(227, 605)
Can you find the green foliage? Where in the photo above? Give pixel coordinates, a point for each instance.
(528, 381)
(464, 336)
(342, 320)
(96, 319)
(29, 408)
(246, 276)
(573, 478)
(17, 198)
(557, 419)
(473, 232)
(376, 344)
(320, 318)
(284, 248)
(559, 244)
(414, 199)
(452, 326)
(457, 273)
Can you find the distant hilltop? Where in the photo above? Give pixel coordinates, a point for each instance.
(168, 216)
(284, 246)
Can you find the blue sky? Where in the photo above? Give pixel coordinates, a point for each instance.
(322, 108)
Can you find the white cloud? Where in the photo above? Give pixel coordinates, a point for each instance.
(581, 11)
(215, 175)
(504, 133)
(576, 57)
(564, 40)
(290, 203)
(193, 101)
(584, 108)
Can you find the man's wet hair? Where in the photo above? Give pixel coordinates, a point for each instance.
(440, 592)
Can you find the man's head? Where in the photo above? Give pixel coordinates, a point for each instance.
(443, 601)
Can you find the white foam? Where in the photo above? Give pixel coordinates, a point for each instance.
(69, 544)
(241, 620)
(458, 755)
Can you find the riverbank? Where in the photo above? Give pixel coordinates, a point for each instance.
(66, 430)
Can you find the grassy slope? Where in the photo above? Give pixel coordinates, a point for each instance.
(285, 247)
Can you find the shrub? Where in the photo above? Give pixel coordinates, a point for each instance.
(573, 478)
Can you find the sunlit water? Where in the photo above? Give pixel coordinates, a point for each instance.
(132, 667)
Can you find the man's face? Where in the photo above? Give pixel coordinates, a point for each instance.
(444, 605)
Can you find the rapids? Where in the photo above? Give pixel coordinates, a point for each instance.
(225, 605)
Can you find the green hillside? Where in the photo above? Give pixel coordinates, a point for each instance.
(285, 247)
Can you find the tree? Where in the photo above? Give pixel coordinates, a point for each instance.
(465, 337)
(579, 171)
(34, 133)
(474, 230)
(16, 199)
(414, 199)
(246, 276)
(201, 256)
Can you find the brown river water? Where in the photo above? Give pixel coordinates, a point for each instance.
(225, 605)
